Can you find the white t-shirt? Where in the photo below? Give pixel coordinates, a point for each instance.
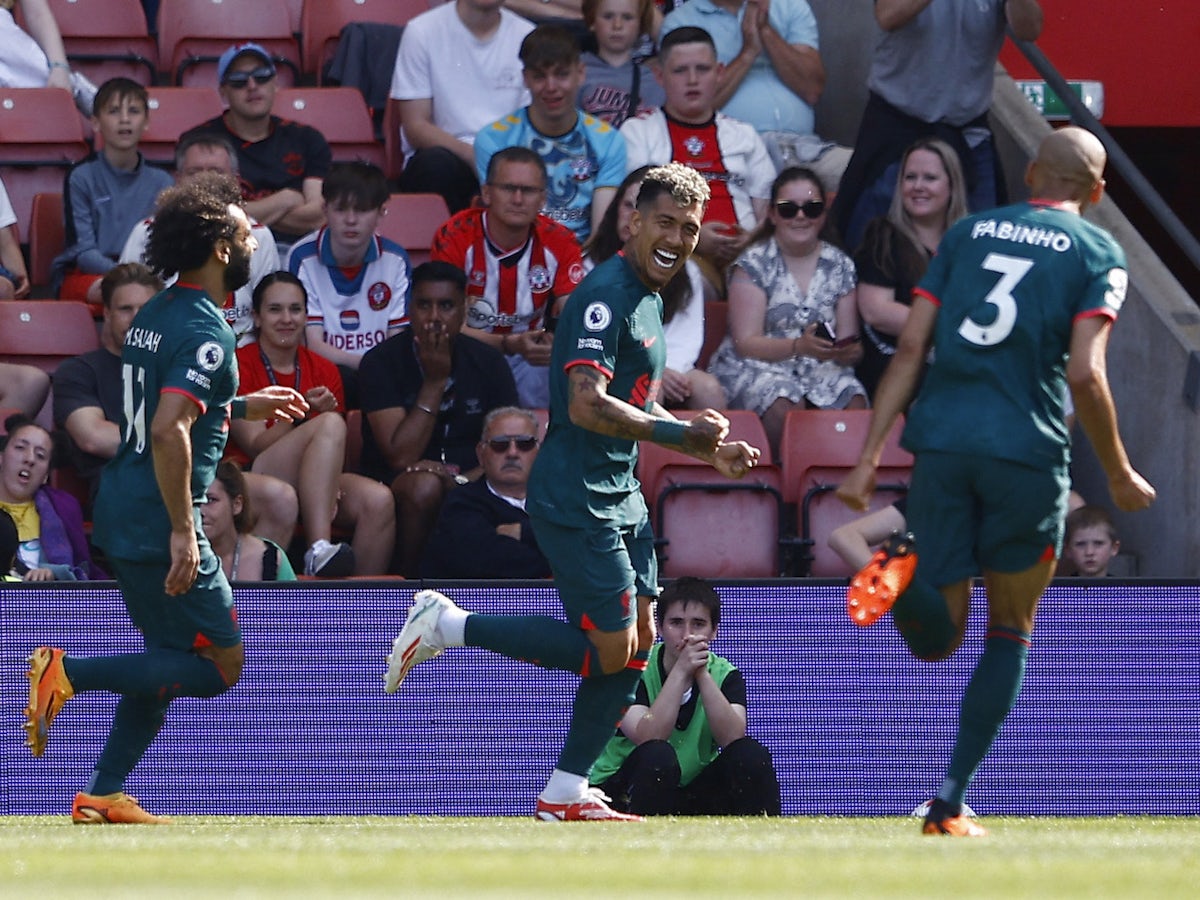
(7, 216)
(472, 83)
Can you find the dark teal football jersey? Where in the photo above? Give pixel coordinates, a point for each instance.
(613, 323)
(1010, 283)
(179, 342)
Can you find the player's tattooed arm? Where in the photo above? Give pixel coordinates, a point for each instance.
(590, 406)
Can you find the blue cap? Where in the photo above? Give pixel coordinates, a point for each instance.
(237, 50)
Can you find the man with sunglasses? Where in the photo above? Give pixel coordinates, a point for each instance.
(483, 530)
(281, 164)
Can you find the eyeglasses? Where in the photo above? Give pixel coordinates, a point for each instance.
(526, 443)
(523, 189)
(812, 209)
(239, 80)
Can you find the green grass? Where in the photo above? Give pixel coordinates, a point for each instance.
(728, 858)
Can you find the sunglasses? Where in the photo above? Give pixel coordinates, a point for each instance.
(526, 443)
(812, 209)
(261, 75)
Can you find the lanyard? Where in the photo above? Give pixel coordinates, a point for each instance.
(271, 371)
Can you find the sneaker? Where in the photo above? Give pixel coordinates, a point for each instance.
(592, 808)
(873, 591)
(418, 640)
(326, 560)
(49, 689)
(111, 809)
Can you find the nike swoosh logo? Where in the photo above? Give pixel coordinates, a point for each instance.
(649, 342)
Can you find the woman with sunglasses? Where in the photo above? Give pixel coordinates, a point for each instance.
(793, 323)
(684, 386)
(310, 454)
(930, 196)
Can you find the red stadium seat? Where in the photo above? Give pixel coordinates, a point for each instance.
(107, 39)
(43, 333)
(354, 441)
(818, 449)
(716, 326)
(706, 524)
(322, 21)
(41, 136)
(173, 110)
(47, 237)
(192, 35)
(339, 113)
(411, 221)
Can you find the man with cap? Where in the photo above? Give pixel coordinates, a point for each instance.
(281, 164)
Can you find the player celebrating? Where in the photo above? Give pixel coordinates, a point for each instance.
(180, 377)
(1015, 299)
(587, 509)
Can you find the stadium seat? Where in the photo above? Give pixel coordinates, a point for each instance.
(173, 110)
(411, 221)
(295, 10)
(41, 136)
(43, 333)
(716, 326)
(322, 21)
(706, 524)
(393, 147)
(107, 39)
(354, 441)
(192, 35)
(47, 237)
(339, 113)
(818, 449)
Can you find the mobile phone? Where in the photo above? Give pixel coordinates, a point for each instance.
(824, 332)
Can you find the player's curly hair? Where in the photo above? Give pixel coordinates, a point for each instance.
(189, 221)
(684, 184)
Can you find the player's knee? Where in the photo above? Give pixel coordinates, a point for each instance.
(929, 642)
(614, 658)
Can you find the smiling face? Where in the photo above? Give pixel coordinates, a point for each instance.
(662, 235)
(281, 317)
(553, 90)
(799, 234)
(625, 208)
(24, 464)
(925, 187)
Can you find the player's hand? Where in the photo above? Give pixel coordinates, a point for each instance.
(705, 431)
(185, 563)
(858, 487)
(1131, 492)
(675, 386)
(276, 402)
(735, 459)
(321, 399)
(535, 346)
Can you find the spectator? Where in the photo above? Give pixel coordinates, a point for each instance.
(682, 747)
(10, 542)
(36, 58)
(683, 384)
(1091, 541)
(584, 156)
(89, 399)
(49, 522)
(23, 387)
(456, 71)
(728, 153)
(618, 84)
(929, 197)
(483, 530)
(106, 195)
(424, 395)
(280, 163)
(856, 541)
(228, 518)
(14, 277)
(309, 453)
(521, 266)
(357, 281)
(793, 323)
(773, 75)
(931, 75)
(200, 152)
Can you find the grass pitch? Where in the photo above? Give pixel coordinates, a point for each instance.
(728, 858)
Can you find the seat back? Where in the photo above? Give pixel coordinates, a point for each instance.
(322, 22)
(192, 35)
(43, 333)
(354, 441)
(716, 326)
(174, 110)
(107, 39)
(340, 114)
(411, 220)
(47, 236)
(821, 512)
(829, 439)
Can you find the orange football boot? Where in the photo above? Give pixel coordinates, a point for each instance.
(873, 591)
(49, 689)
(111, 809)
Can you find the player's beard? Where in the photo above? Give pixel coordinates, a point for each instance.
(237, 273)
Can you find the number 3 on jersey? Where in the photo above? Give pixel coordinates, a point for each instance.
(1011, 270)
(134, 401)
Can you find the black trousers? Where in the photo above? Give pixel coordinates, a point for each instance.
(741, 781)
(436, 170)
